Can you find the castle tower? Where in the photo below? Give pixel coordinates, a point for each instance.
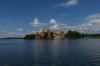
(48, 31)
(42, 33)
(36, 34)
(53, 33)
(62, 34)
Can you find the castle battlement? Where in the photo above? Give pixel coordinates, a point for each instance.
(59, 35)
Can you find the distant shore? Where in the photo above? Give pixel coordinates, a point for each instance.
(12, 38)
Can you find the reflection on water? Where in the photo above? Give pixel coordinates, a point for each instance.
(76, 52)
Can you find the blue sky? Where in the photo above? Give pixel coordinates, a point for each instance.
(21, 17)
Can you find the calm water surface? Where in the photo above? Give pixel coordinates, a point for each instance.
(76, 52)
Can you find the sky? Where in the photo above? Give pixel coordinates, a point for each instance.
(21, 17)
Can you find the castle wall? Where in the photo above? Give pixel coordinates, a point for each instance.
(42, 33)
(62, 34)
(56, 36)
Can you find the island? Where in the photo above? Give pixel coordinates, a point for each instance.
(53, 35)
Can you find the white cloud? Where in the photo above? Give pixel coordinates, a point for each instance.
(68, 3)
(3, 31)
(71, 3)
(40, 30)
(52, 22)
(68, 27)
(95, 21)
(20, 29)
(10, 33)
(33, 32)
(15, 34)
(93, 16)
(36, 23)
(55, 25)
(86, 24)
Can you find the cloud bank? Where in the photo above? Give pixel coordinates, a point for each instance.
(93, 16)
(92, 26)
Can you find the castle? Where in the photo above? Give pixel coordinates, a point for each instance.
(55, 35)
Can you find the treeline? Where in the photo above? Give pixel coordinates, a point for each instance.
(93, 35)
(13, 38)
(74, 34)
(29, 36)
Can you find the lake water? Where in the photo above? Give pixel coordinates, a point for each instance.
(76, 52)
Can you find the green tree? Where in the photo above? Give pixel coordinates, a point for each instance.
(69, 34)
(45, 35)
(31, 36)
(72, 34)
(65, 35)
(27, 36)
(83, 35)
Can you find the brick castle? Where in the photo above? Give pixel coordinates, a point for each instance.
(56, 35)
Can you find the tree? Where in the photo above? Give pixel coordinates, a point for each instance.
(31, 36)
(83, 35)
(27, 36)
(65, 34)
(69, 34)
(73, 34)
(45, 35)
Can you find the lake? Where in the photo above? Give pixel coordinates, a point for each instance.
(74, 52)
